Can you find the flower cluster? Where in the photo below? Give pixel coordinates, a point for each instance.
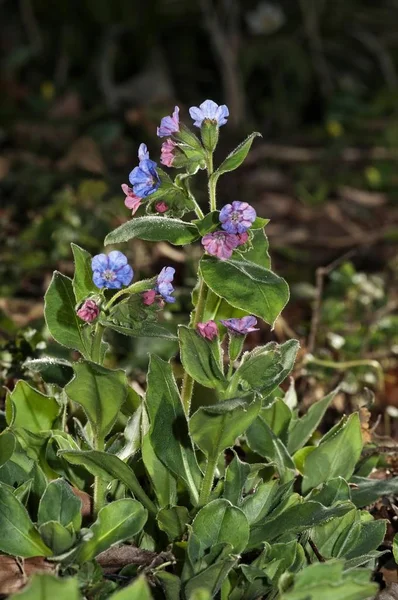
(144, 178)
(163, 288)
(241, 326)
(235, 219)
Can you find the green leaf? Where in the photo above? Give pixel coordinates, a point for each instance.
(60, 313)
(57, 537)
(246, 285)
(48, 587)
(302, 429)
(170, 583)
(52, 370)
(139, 590)
(257, 505)
(82, 283)
(263, 440)
(206, 584)
(294, 520)
(109, 467)
(236, 157)
(169, 428)
(173, 521)
(200, 358)
(327, 581)
(155, 229)
(235, 479)
(335, 456)
(265, 367)
(164, 484)
(259, 252)
(116, 522)
(7, 446)
(59, 503)
(28, 408)
(395, 547)
(131, 317)
(100, 391)
(214, 428)
(18, 535)
(219, 523)
(209, 223)
(370, 490)
(277, 416)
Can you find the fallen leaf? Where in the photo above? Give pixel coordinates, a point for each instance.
(14, 573)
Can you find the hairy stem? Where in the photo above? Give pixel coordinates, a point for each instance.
(99, 484)
(208, 479)
(187, 383)
(97, 342)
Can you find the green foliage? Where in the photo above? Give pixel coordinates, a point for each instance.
(281, 519)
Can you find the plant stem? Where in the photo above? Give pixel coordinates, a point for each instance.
(187, 383)
(96, 349)
(208, 481)
(99, 484)
(135, 288)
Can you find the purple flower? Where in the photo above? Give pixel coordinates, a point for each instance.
(131, 200)
(209, 110)
(161, 207)
(144, 178)
(169, 125)
(167, 153)
(241, 326)
(111, 270)
(148, 297)
(207, 330)
(237, 217)
(164, 287)
(88, 311)
(220, 244)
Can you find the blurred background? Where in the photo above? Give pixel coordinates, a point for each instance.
(83, 83)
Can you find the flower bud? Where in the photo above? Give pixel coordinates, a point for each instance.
(88, 311)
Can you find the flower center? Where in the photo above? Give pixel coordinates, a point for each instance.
(109, 275)
(235, 217)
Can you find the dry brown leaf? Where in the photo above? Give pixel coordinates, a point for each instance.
(86, 501)
(14, 573)
(22, 312)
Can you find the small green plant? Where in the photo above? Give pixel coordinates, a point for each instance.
(230, 493)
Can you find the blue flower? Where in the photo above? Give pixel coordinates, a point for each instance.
(111, 270)
(241, 326)
(237, 217)
(144, 178)
(164, 287)
(209, 110)
(169, 125)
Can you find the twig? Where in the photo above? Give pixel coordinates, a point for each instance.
(380, 450)
(315, 550)
(321, 273)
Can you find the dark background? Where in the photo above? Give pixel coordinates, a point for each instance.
(84, 82)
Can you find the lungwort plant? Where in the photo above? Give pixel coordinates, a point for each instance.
(230, 499)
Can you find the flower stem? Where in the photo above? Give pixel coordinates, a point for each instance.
(187, 383)
(208, 481)
(135, 288)
(99, 484)
(97, 342)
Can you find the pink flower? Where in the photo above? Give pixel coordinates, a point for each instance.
(207, 330)
(131, 201)
(148, 297)
(220, 244)
(89, 311)
(167, 153)
(242, 237)
(161, 207)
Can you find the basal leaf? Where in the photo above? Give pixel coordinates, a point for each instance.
(301, 429)
(30, 409)
(47, 587)
(138, 590)
(18, 534)
(59, 503)
(116, 522)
